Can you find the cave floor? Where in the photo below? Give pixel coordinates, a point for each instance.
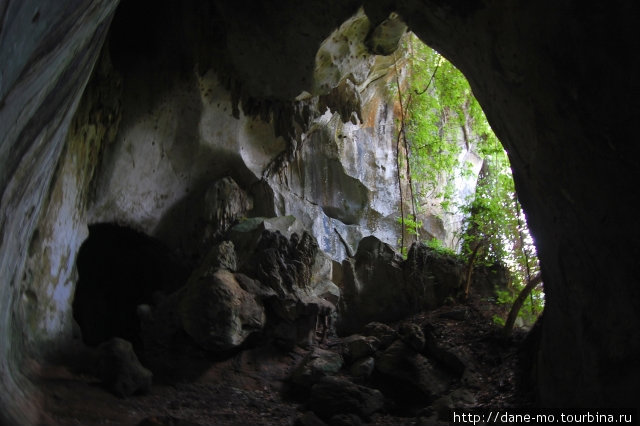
(251, 387)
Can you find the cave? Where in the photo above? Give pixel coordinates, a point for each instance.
(120, 269)
(117, 112)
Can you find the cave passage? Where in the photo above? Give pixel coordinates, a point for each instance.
(119, 269)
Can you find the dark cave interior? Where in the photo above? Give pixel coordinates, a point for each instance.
(120, 269)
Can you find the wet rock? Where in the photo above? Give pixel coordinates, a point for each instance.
(332, 396)
(402, 364)
(315, 365)
(120, 370)
(217, 313)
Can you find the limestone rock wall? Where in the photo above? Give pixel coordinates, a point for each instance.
(47, 51)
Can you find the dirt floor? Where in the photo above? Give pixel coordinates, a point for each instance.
(250, 388)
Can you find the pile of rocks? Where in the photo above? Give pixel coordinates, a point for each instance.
(382, 369)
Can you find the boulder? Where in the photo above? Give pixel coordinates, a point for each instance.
(224, 203)
(373, 286)
(431, 277)
(378, 285)
(120, 370)
(332, 396)
(363, 367)
(218, 313)
(315, 365)
(411, 334)
(455, 359)
(402, 364)
(357, 347)
(385, 334)
(222, 255)
(286, 267)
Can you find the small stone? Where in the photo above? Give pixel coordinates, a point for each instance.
(120, 370)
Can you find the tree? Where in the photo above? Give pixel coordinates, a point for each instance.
(440, 117)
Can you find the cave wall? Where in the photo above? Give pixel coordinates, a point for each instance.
(545, 80)
(47, 51)
(327, 158)
(561, 102)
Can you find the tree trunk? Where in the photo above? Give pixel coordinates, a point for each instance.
(469, 274)
(517, 304)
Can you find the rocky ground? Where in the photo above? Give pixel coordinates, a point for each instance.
(457, 347)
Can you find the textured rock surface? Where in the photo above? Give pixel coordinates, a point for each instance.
(538, 94)
(48, 51)
(217, 313)
(565, 125)
(384, 287)
(315, 365)
(120, 370)
(409, 368)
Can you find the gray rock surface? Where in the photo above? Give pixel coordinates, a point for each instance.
(120, 370)
(318, 363)
(380, 286)
(404, 365)
(217, 313)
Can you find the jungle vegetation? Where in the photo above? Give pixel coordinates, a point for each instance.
(441, 121)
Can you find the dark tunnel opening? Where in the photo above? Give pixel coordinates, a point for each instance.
(119, 269)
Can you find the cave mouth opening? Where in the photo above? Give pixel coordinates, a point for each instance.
(119, 269)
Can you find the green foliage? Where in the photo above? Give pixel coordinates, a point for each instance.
(440, 108)
(411, 225)
(441, 118)
(439, 247)
(498, 320)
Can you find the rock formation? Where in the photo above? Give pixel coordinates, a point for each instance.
(134, 128)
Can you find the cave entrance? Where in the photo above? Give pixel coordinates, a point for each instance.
(454, 171)
(120, 269)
